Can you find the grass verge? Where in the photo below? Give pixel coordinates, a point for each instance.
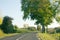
(2, 35)
(45, 36)
(56, 36)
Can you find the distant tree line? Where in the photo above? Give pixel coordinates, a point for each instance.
(53, 30)
(31, 28)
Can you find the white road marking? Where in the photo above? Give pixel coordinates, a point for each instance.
(21, 37)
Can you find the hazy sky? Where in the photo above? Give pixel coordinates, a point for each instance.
(12, 8)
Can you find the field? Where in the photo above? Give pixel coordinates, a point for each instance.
(4, 35)
(46, 36)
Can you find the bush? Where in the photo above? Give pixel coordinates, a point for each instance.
(7, 25)
(21, 30)
(38, 27)
(51, 31)
(57, 29)
(32, 28)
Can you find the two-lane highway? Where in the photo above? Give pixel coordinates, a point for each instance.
(26, 36)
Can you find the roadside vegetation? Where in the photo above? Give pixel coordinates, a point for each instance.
(2, 34)
(46, 36)
(51, 34)
(8, 29)
(56, 36)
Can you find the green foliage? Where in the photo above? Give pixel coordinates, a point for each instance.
(38, 27)
(32, 28)
(7, 26)
(0, 21)
(58, 18)
(40, 10)
(37, 9)
(15, 28)
(56, 36)
(51, 30)
(57, 29)
(57, 10)
(22, 30)
(45, 36)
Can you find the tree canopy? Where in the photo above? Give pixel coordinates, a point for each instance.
(40, 10)
(57, 17)
(7, 26)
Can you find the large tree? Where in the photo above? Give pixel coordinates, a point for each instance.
(39, 10)
(7, 26)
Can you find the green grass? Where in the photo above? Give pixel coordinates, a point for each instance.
(18, 31)
(56, 36)
(1, 33)
(4, 35)
(45, 36)
(23, 30)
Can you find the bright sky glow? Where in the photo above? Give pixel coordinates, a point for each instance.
(12, 8)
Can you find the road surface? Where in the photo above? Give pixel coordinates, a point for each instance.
(26, 36)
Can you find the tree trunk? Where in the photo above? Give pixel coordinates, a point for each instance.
(43, 29)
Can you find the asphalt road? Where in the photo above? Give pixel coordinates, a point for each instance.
(26, 36)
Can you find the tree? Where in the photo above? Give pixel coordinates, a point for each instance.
(56, 6)
(7, 26)
(40, 10)
(15, 28)
(57, 29)
(39, 27)
(32, 28)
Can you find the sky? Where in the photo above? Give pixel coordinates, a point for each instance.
(12, 8)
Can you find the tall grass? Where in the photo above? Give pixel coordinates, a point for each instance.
(45, 36)
(56, 36)
(2, 34)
